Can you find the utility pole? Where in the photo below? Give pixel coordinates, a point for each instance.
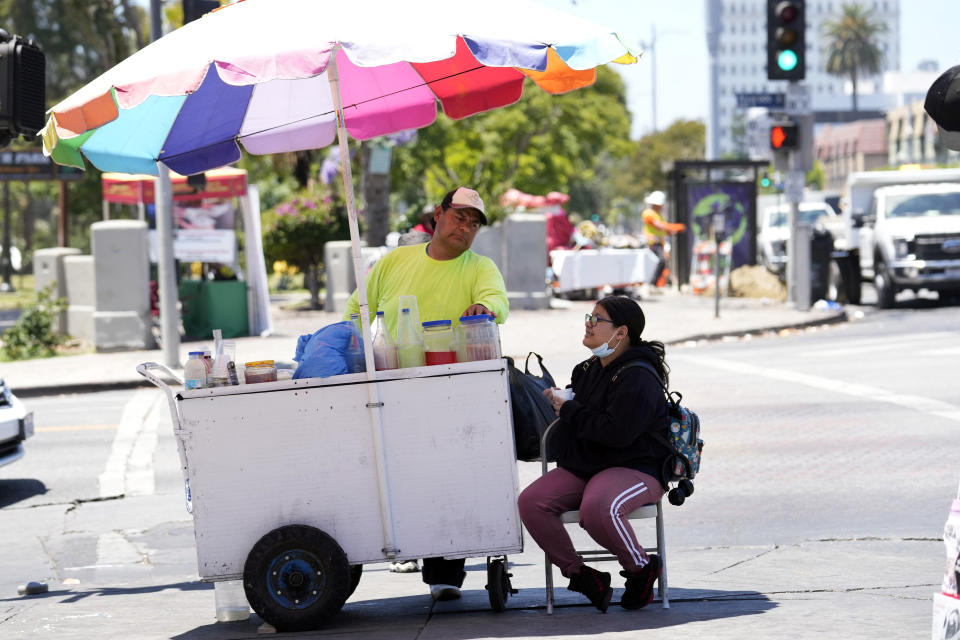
(166, 269)
(653, 74)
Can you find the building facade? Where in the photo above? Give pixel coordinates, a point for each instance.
(737, 45)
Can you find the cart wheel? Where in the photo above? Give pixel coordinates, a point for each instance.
(296, 578)
(356, 570)
(498, 584)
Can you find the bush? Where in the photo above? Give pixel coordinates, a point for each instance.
(296, 230)
(33, 334)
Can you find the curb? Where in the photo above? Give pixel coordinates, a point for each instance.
(834, 319)
(80, 387)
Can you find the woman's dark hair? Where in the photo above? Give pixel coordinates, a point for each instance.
(625, 312)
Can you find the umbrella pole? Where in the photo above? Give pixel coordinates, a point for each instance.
(374, 404)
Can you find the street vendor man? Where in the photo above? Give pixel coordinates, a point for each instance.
(450, 282)
(656, 230)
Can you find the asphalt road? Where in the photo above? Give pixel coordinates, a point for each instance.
(836, 435)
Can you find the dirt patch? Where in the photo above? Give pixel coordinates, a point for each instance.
(756, 282)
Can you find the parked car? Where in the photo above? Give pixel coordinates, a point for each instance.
(775, 232)
(16, 425)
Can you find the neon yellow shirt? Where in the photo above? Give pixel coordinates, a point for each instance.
(444, 288)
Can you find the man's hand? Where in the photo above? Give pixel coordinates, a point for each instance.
(477, 310)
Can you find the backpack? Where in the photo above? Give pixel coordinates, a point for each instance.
(682, 438)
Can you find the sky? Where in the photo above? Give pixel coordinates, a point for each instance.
(929, 30)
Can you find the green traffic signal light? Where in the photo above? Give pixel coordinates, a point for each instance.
(787, 60)
(765, 181)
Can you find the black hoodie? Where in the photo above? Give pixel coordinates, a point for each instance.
(608, 423)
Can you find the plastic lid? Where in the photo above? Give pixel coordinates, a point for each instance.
(404, 310)
(354, 315)
(437, 323)
(483, 317)
(260, 363)
(196, 353)
(379, 313)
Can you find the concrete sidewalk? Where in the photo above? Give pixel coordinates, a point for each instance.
(672, 318)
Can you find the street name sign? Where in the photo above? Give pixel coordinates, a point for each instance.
(33, 165)
(768, 100)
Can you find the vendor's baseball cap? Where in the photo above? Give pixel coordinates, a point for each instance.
(943, 105)
(464, 198)
(656, 198)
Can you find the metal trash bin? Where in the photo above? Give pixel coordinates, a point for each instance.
(821, 248)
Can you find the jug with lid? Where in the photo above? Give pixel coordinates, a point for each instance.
(438, 343)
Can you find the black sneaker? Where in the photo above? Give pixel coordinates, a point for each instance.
(639, 586)
(593, 584)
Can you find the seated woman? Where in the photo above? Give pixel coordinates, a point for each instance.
(608, 463)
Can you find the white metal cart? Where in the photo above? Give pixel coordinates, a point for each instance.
(296, 484)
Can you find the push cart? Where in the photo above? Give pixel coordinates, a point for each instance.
(295, 485)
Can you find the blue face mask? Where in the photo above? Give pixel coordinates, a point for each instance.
(604, 350)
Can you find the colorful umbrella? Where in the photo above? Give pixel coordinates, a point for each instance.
(257, 72)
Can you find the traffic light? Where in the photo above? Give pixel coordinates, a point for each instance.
(786, 40)
(765, 181)
(23, 98)
(784, 136)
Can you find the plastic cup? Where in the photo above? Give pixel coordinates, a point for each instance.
(563, 394)
(231, 600)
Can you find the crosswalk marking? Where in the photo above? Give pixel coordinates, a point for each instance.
(129, 469)
(917, 403)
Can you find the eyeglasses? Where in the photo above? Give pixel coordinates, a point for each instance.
(593, 319)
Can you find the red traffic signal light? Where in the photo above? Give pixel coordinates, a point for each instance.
(784, 136)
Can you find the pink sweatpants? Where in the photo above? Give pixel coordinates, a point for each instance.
(604, 502)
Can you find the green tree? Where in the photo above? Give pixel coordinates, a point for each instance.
(542, 143)
(851, 44)
(297, 230)
(645, 169)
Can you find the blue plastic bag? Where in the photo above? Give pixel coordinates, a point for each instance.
(333, 350)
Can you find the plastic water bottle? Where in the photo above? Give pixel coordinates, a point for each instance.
(384, 348)
(355, 359)
(195, 372)
(409, 341)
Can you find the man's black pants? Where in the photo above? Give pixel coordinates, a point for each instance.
(440, 571)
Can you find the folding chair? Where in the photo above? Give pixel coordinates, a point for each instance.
(601, 555)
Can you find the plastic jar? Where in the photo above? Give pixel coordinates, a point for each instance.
(479, 340)
(260, 371)
(438, 343)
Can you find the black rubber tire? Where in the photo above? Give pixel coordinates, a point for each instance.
(498, 585)
(296, 578)
(356, 570)
(886, 291)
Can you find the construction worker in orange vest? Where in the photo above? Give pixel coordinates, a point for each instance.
(656, 230)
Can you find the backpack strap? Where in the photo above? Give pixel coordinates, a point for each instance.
(643, 364)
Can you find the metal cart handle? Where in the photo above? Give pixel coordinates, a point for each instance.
(145, 369)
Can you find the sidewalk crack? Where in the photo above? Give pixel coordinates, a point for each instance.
(745, 560)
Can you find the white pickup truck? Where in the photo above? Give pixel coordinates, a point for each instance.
(901, 231)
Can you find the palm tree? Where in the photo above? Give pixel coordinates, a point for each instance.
(851, 44)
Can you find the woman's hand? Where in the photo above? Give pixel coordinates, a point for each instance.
(555, 402)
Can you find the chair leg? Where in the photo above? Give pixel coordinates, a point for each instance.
(662, 548)
(549, 582)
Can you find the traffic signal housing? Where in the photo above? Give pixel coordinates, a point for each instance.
(23, 95)
(785, 136)
(194, 9)
(786, 40)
